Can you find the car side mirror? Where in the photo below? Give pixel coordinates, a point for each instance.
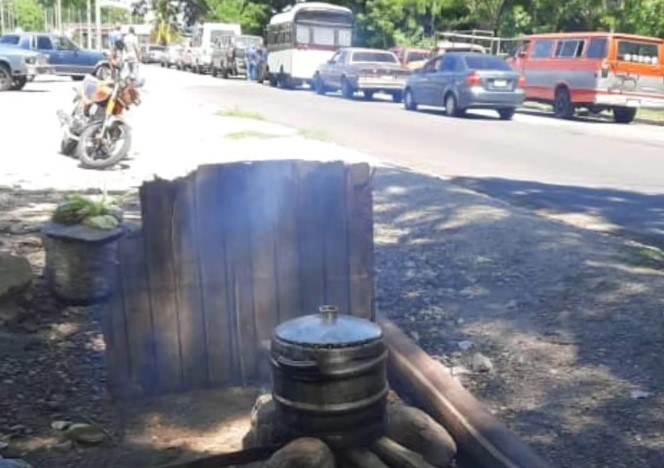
(521, 54)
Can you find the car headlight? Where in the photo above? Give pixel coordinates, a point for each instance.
(30, 60)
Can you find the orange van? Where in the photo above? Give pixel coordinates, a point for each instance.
(594, 70)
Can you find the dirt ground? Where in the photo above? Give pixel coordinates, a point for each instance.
(571, 321)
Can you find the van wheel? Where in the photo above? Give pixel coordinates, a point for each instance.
(368, 95)
(397, 96)
(318, 85)
(562, 104)
(624, 115)
(214, 72)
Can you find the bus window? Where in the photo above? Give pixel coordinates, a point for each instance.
(323, 36)
(302, 34)
(543, 49)
(344, 37)
(569, 49)
(638, 52)
(597, 49)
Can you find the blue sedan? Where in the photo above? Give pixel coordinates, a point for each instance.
(460, 81)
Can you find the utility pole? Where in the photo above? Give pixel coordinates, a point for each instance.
(2, 17)
(98, 22)
(58, 16)
(89, 12)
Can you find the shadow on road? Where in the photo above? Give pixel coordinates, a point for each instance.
(633, 215)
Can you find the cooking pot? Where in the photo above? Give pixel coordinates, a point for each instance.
(329, 374)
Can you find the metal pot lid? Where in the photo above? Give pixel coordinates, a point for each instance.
(328, 329)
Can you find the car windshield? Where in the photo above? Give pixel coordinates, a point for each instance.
(486, 62)
(9, 39)
(372, 57)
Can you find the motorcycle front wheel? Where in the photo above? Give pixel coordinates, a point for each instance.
(97, 151)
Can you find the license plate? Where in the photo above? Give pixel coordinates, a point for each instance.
(500, 83)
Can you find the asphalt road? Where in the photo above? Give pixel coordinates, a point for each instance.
(597, 174)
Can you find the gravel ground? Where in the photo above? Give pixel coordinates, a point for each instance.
(572, 321)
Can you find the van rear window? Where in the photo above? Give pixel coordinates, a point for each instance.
(638, 52)
(597, 49)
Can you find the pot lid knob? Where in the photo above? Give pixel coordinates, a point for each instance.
(329, 313)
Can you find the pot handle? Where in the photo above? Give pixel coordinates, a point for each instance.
(282, 361)
(331, 370)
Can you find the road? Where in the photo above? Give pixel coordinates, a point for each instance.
(596, 174)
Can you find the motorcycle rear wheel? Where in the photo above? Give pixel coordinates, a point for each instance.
(87, 150)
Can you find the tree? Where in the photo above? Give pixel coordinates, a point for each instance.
(30, 15)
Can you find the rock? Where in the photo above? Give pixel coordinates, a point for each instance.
(86, 434)
(419, 432)
(303, 453)
(60, 425)
(640, 394)
(9, 312)
(265, 429)
(362, 459)
(15, 275)
(14, 463)
(465, 345)
(396, 455)
(481, 363)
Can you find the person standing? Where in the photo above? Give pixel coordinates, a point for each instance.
(132, 52)
(114, 36)
(251, 63)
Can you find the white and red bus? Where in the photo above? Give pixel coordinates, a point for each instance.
(304, 37)
(593, 70)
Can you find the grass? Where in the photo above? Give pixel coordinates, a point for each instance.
(249, 134)
(645, 257)
(315, 134)
(240, 114)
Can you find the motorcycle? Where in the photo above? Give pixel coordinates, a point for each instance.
(95, 130)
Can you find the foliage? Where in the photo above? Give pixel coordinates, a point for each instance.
(30, 15)
(384, 23)
(96, 214)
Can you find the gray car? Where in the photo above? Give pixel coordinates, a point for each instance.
(369, 71)
(462, 81)
(17, 66)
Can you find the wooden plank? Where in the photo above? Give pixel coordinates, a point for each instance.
(115, 333)
(140, 338)
(264, 183)
(188, 292)
(359, 213)
(475, 430)
(287, 248)
(235, 193)
(311, 225)
(332, 207)
(157, 215)
(209, 218)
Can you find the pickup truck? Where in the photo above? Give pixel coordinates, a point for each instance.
(18, 65)
(65, 57)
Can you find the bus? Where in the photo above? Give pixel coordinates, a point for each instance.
(593, 70)
(302, 38)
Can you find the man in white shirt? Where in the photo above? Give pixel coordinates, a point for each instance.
(132, 52)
